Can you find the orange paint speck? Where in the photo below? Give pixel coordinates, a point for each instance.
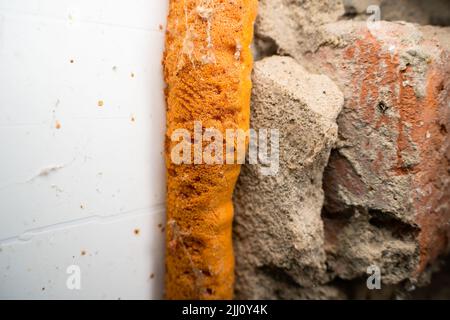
(58, 125)
(100, 103)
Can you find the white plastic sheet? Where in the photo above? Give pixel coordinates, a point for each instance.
(81, 149)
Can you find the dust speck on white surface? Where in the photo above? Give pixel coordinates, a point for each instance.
(47, 171)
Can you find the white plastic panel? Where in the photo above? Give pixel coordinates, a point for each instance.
(81, 148)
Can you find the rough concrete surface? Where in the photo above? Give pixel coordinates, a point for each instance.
(432, 12)
(387, 182)
(294, 28)
(278, 228)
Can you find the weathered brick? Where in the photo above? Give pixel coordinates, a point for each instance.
(388, 185)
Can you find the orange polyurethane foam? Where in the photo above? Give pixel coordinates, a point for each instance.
(207, 69)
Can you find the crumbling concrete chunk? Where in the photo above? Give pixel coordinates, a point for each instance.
(278, 223)
(294, 27)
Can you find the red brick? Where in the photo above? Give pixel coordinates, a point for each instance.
(393, 158)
